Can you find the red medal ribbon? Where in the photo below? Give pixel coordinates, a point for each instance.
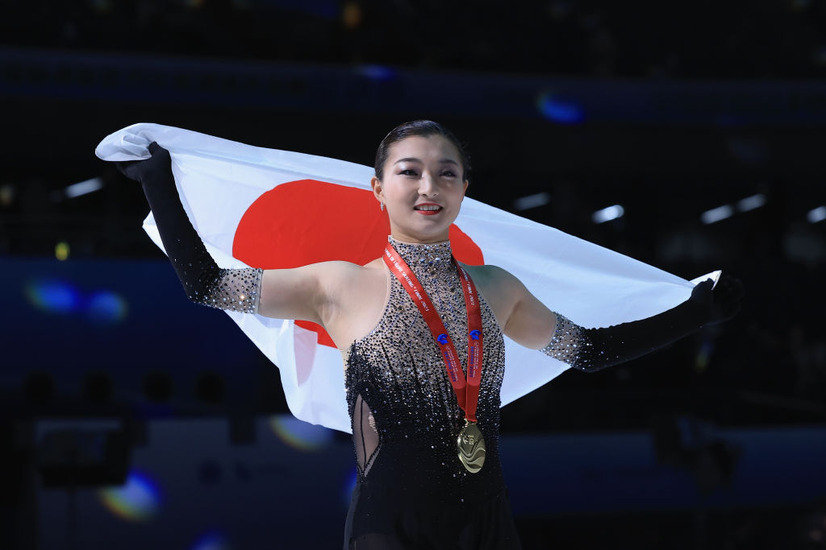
(467, 390)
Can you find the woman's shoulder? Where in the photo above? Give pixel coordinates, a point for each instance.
(490, 273)
(343, 267)
(492, 278)
(331, 275)
(500, 289)
(344, 272)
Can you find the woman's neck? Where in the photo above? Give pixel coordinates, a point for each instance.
(426, 259)
(407, 239)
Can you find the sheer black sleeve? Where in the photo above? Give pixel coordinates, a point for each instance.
(203, 281)
(592, 349)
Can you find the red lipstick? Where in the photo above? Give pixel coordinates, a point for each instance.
(428, 208)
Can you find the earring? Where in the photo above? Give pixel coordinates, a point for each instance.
(381, 206)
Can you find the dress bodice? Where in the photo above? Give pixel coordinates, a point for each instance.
(395, 374)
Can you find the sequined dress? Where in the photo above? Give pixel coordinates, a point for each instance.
(412, 490)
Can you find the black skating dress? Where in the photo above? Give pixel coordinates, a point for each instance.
(412, 491)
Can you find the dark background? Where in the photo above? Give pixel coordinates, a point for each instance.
(669, 110)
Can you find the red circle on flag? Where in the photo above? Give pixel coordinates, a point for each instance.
(308, 221)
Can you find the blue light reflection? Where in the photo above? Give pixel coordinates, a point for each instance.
(58, 297)
(212, 540)
(560, 110)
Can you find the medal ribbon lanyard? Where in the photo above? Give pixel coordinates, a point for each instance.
(467, 390)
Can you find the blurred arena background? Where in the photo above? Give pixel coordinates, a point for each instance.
(687, 135)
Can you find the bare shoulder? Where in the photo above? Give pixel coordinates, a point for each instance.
(520, 314)
(500, 289)
(493, 279)
(369, 275)
(312, 292)
(342, 280)
(346, 271)
(357, 294)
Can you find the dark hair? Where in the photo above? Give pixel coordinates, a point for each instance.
(422, 128)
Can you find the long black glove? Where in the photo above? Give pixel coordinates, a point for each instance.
(204, 282)
(592, 349)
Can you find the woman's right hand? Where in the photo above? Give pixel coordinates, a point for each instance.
(157, 166)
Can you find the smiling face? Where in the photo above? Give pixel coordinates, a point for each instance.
(422, 188)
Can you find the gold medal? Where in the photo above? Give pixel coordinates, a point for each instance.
(471, 447)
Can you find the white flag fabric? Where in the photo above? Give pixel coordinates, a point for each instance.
(258, 207)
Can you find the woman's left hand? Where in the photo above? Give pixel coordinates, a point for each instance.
(721, 302)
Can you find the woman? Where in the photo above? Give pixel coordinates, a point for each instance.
(422, 340)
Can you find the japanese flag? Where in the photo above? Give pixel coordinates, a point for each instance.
(267, 208)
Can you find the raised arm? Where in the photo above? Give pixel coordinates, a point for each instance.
(284, 293)
(527, 321)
